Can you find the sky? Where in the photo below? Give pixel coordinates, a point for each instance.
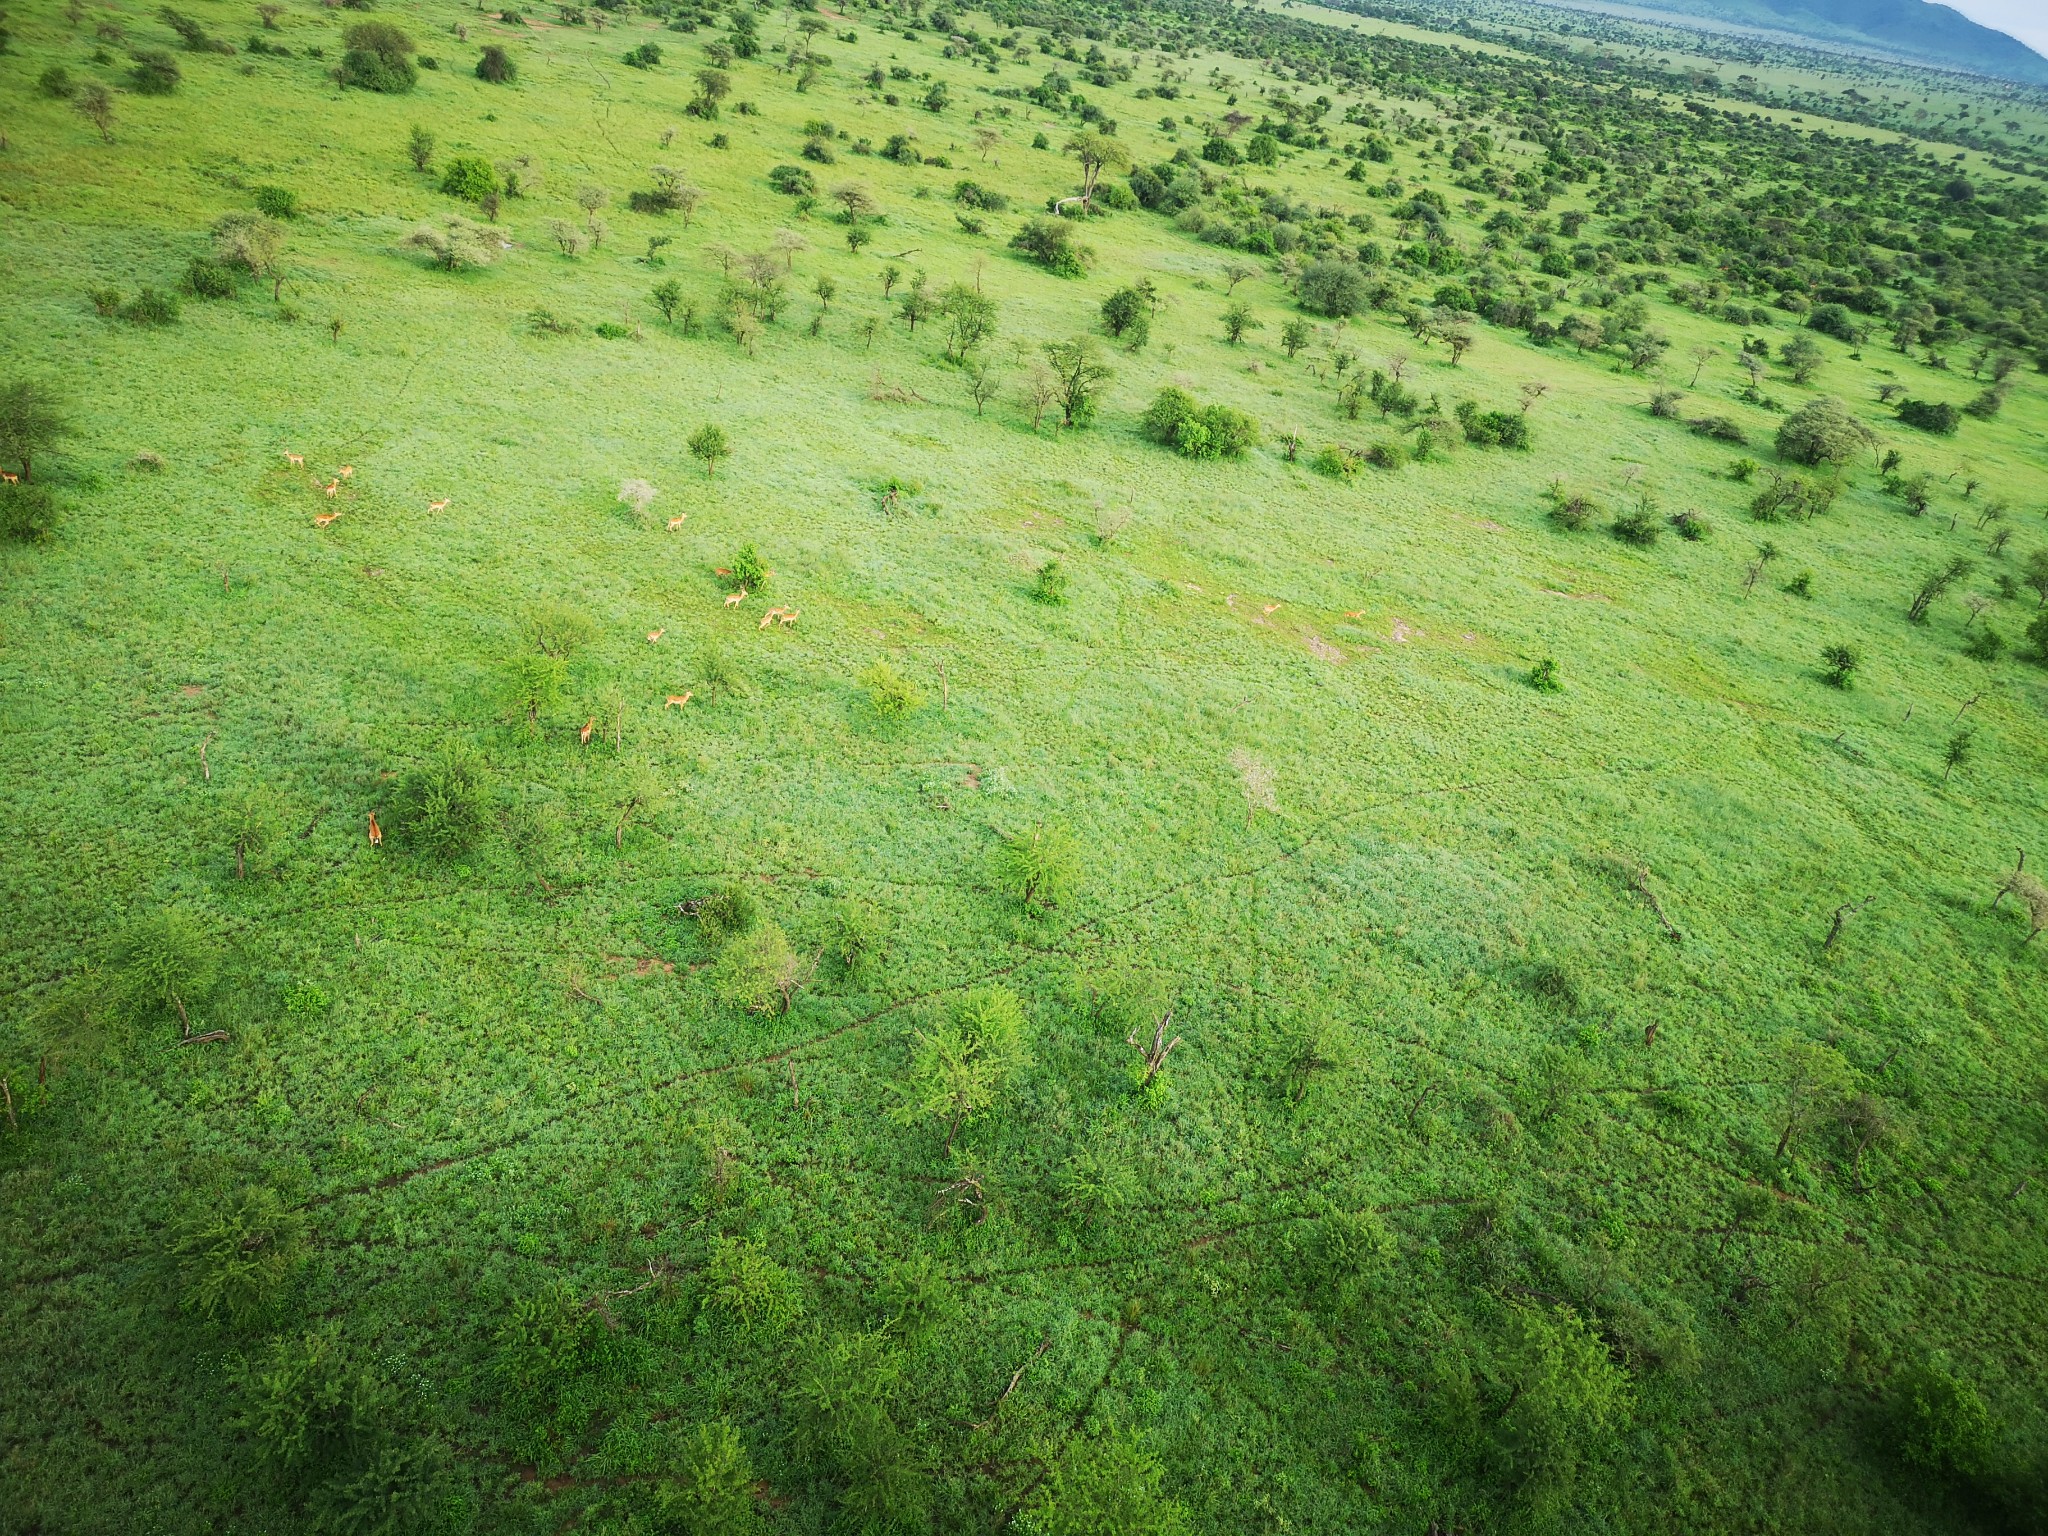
(2026, 20)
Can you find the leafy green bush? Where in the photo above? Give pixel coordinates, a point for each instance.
(56, 82)
(1839, 662)
(496, 66)
(1049, 584)
(1390, 453)
(236, 1252)
(646, 56)
(277, 202)
(343, 1442)
(1543, 676)
(747, 570)
(1195, 431)
(377, 57)
(469, 177)
(1939, 1422)
(792, 181)
(29, 513)
(963, 1060)
(1986, 644)
(443, 807)
(1638, 526)
(1569, 1401)
(890, 693)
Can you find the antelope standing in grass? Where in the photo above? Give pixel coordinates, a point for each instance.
(324, 518)
(347, 470)
(376, 832)
(438, 506)
(678, 700)
(789, 616)
(583, 736)
(736, 598)
(676, 522)
(769, 618)
(295, 460)
(654, 635)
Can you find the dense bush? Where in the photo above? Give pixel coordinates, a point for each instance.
(1940, 1423)
(1333, 288)
(1051, 243)
(792, 181)
(1497, 429)
(1834, 320)
(29, 513)
(153, 72)
(1196, 431)
(377, 57)
(235, 1253)
(150, 306)
(277, 202)
(1936, 416)
(495, 65)
(890, 694)
(469, 177)
(206, 278)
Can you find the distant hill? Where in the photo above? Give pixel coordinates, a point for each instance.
(1930, 34)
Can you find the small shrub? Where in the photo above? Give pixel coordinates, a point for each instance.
(1800, 585)
(747, 1295)
(150, 306)
(1333, 288)
(1502, 429)
(1690, 526)
(1721, 429)
(611, 330)
(164, 963)
(495, 65)
(1571, 510)
(792, 181)
(1337, 463)
(1986, 644)
(1665, 403)
(747, 570)
(56, 82)
(1543, 676)
(1742, 469)
(890, 693)
(1049, 584)
(1389, 452)
(1051, 243)
(646, 56)
(277, 202)
(442, 807)
(106, 302)
(725, 914)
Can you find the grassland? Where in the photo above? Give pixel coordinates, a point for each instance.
(1494, 1004)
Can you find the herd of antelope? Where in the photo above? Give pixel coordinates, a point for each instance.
(331, 488)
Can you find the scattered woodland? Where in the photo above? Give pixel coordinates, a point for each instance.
(1059, 767)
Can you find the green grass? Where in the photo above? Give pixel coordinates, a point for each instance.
(1394, 896)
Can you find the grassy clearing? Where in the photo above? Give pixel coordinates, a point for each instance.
(1491, 1001)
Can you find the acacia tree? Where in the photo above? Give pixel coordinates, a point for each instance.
(31, 420)
(970, 320)
(1078, 376)
(710, 444)
(1097, 152)
(960, 1064)
(95, 103)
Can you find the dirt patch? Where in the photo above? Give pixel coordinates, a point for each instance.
(644, 965)
(193, 690)
(973, 779)
(1322, 650)
(1403, 632)
(1577, 597)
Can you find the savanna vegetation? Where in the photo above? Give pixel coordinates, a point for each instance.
(1070, 768)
